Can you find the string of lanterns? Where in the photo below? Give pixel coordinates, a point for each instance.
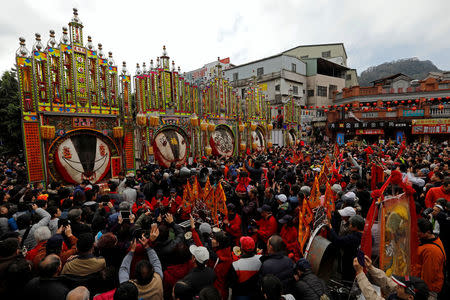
(388, 105)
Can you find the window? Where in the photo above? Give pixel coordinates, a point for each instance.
(321, 91)
(277, 87)
(332, 88)
(348, 77)
(294, 68)
(295, 90)
(326, 54)
(235, 76)
(304, 57)
(259, 71)
(310, 93)
(243, 94)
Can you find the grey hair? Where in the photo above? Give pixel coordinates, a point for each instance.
(42, 234)
(124, 206)
(78, 293)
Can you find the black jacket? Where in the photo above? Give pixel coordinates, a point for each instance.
(309, 287)
(166, 248)
(255, 174)
(46, 288)
(281, 266)
(349, 244)
(200, 278)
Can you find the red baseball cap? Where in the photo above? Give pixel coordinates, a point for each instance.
(247, 243)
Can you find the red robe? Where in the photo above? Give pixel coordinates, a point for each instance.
(267, 228)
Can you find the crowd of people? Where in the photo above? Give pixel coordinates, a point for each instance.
(132, 237)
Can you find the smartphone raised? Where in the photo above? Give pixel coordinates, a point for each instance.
(125, 215)
(360, 257)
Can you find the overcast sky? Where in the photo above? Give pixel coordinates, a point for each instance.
(197, 32)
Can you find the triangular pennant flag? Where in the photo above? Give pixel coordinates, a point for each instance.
(314, 198)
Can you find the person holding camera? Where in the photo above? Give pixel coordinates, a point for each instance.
(395, 287)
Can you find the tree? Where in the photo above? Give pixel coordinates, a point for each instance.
(10, 116)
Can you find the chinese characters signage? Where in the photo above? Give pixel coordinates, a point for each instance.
(431, 126)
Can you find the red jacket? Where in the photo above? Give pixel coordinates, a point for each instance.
(435, 193)
(431, 264)
(106, 296)
(221, 265)
(36, 251)
(174, 205)
(155, 203)
(136, 206)
(267, 228)
(173, 273)
(234, 228)
(221, 268)
(290, 237)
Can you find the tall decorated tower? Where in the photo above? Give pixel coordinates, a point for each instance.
(165, 103)
(70, 108)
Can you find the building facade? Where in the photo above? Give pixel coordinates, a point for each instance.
(394, 108)
(280, 77)
(334, 52)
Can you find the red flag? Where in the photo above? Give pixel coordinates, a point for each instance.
(307, 213)
(329, 200)
(303, 231)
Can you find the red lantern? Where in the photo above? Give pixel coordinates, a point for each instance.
(326, 110)
(389, 109)
(335, 106)
(323, 106)
(367, 104)
(409, 101)
(317, 107)
(388, 103)
(311, 107)
(329, 106)
(417, 100)
(439, 98)
(346, 109)
(374, 103)
(441, 107)
(342, 105)
(431, 99)
(395, 102)
(414, 108)
(361, 104)
(403, 101)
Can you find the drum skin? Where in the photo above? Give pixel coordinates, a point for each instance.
(222, 141)
(170, 146)
(82, 155)
(258, 138)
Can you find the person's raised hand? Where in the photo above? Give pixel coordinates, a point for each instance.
(68, 231)
(133, 245)
(169, 218)
(154, 233)
(110, 205)
(368, 262)
(132, 218)
(192, 221)
(144, 241)
(119, 219)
